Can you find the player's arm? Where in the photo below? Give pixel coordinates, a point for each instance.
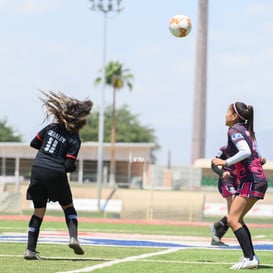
(222, 155)
(71, 156)
(262, 159)
(36, 142)
(70, 165)
(243, 153)
(217, 169)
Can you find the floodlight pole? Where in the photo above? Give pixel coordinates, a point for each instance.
(200, 92)
(99, 5)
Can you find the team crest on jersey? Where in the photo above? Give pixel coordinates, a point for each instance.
(236, 136)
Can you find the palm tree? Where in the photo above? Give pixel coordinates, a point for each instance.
(115, 76)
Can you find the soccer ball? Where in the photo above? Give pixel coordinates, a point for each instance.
(180, 25)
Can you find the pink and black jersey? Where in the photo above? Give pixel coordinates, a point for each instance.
(55, 145)
(249, 170)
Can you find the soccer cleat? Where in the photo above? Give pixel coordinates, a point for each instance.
(246, 263)
(75, 245)
(217, 243)
(214, 234)
(256, 258)
(32, 255)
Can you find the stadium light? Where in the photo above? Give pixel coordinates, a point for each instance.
(107, 7)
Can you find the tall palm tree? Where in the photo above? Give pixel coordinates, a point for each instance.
(115, 76)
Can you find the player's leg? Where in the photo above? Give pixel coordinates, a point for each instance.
(33, 231)
(250, 239)
(71, 220)
(240, 206)
(59, 190)
(37, 193)
(219, 228)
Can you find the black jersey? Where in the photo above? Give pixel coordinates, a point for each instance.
(55, 145)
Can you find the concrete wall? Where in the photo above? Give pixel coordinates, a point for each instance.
(142, 204)
(149, 204)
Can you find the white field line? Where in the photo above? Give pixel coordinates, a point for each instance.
(61, 258)
(140, 260)
(124, 260)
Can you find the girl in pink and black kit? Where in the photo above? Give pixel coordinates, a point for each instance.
(243, 155)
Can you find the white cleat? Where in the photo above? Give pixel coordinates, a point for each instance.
(246, 263)
(256, 258)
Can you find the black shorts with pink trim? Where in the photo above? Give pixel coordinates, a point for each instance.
(252, 189)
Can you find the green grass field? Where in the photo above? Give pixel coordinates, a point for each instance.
(59, 258)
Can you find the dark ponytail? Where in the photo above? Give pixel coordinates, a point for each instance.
(250, 121)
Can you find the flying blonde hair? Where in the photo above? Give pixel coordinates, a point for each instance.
(69, 112)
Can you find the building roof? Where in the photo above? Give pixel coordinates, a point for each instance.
(89, 150)
(205, 163)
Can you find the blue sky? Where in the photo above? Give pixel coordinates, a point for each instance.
(57, 45)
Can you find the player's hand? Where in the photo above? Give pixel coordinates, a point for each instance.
(226, 174)
(262, 160)
(218, 161)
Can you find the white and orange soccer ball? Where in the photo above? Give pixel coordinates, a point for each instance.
(180, 25)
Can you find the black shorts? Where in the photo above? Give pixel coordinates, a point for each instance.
(48, 185)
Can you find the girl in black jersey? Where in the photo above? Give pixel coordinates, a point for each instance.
(58, 145)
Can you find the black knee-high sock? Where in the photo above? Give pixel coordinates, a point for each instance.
(71, 220)
(250, 239)
(221, 227)
(33, 232)
(243, 239)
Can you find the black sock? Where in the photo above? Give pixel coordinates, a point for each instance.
(71, 220)
(244, 241)
(250, 239)
(221, 227)
(33, 232)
